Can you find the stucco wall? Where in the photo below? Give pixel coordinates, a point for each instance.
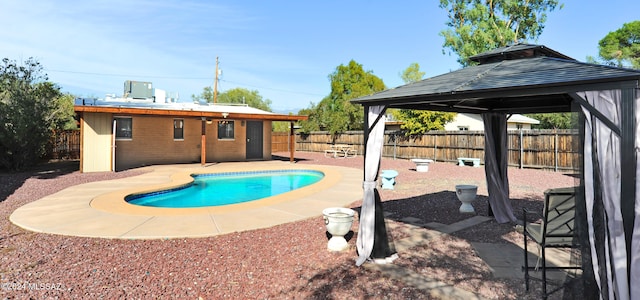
(96, 142)
(470, 121)
(514, 126)
(266, 133)
(474, 122)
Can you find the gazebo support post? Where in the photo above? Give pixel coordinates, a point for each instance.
(292, 142)
(203, 142)
(373, 242)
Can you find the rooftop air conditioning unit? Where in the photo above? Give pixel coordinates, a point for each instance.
(138, 89)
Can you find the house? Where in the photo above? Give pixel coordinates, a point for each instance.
(122, 133)
(465, 121)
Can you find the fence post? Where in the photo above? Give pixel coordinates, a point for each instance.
(435, 147)
(521, 151)
(394, 144)
(468, 145)
(555, 151)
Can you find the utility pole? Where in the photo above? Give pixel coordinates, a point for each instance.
(215, 84)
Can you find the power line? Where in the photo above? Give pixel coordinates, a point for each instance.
(278, 90)
(124, 75)
(179, 77)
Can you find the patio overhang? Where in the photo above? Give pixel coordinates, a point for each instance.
(187, 113)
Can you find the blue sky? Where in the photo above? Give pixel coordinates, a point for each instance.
(283, 49)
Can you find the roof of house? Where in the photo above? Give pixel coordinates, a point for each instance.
(208, 110)
(518, 118)
(517, 79)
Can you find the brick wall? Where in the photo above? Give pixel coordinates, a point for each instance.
(152, 143)
(226, 150)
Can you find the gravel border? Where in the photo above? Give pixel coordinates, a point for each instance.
(281, 262)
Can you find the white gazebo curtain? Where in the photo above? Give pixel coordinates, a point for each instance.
(374, 138)
(496, 160)
(611, 143)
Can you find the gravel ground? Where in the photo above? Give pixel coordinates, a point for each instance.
(282, 262)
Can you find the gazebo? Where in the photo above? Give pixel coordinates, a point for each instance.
(525, 78)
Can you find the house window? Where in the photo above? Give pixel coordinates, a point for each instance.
(178, 129)
(225, 130)
(463, 128)
(124, 128)
(519, 126)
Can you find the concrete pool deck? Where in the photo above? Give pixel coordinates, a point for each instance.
(98, 209)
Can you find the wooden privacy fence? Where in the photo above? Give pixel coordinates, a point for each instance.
(279, 141)
(543, 149)
(64, 145)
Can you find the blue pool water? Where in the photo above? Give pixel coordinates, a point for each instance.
(228, 188)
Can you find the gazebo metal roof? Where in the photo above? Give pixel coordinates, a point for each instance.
(521, 78)
(527, 78)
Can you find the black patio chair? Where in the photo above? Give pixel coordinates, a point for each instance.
(556, 230)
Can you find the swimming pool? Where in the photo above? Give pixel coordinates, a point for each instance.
(228, 188)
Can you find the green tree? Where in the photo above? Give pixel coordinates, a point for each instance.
(313, 123)
(476, 26)
(64, 113)
(412, 73)
(30, 107)
(278, 126)
(335, 113)
(235, 96)
(242, 95)
(281, 126)
(592, 60)
(419, 121)
(621, 48)
(205, 96)
(555, 120)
